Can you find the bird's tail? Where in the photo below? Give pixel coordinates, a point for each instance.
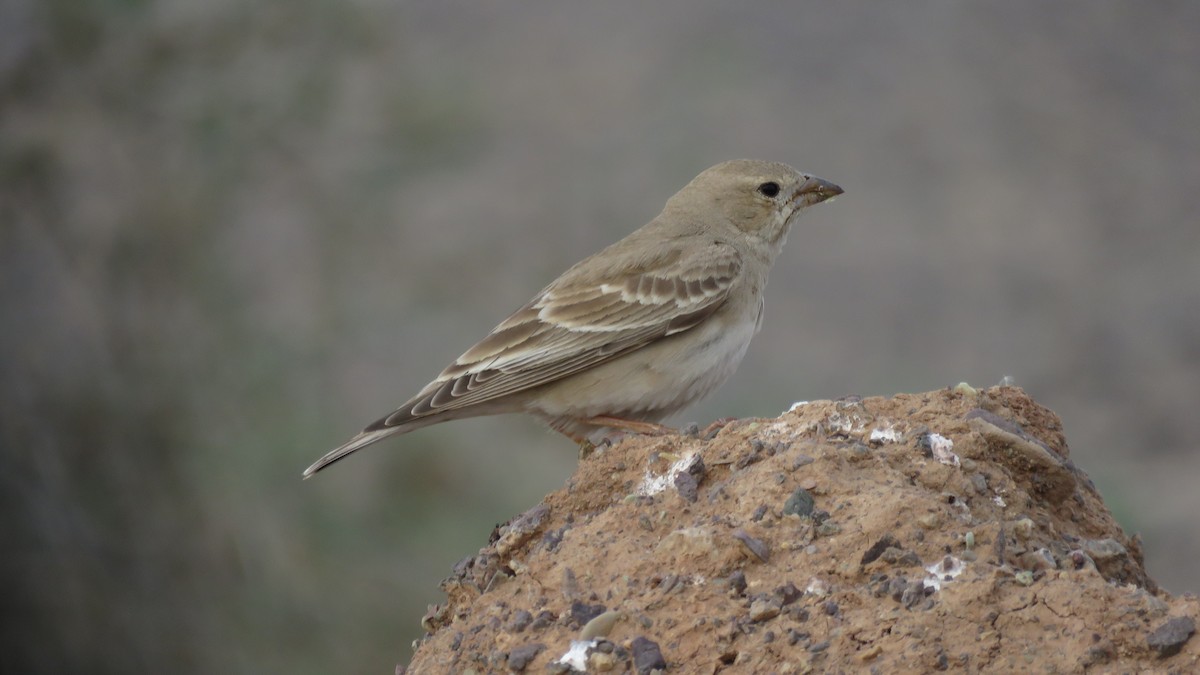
(357, 443)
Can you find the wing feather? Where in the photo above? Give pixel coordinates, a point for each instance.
(576, 324)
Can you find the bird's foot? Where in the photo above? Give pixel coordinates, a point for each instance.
(633, 426)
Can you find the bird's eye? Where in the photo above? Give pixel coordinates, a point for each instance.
(769, 189)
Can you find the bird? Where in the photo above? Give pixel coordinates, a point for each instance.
(635, 333)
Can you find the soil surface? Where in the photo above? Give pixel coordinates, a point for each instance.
(922, 532)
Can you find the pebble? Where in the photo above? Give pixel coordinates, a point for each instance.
(520, 621)
(1170, 637)
(646, 655)
(764, 609)
(737, 582)
(800, 503)
(520, 657)
(755, 546)
(872, 554)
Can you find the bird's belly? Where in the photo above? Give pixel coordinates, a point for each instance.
(660, 379)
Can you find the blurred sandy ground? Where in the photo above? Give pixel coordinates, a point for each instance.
(233, 233)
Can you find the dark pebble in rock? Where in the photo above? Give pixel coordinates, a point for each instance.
(872, 554)
(819, 647)
(831, 608)
(755, 546)
(764, 609)
(912, 595)
(795, 636)
(801, 460)
(686, 485)
(520, 621)
(979, 482)
(788, 593)
(1169, 638)
(581, 613)
(759, 513)
(737, 581)
(543, 620)
(520, 657)
(647, 656)
(800, 503)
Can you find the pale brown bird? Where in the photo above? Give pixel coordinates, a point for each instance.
(636, 332)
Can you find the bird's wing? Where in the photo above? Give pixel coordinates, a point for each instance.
(579, 323)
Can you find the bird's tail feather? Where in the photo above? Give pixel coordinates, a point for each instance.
(357, 443)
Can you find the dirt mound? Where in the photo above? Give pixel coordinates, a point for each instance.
(946, 530)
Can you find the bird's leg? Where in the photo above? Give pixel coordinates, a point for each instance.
(635, 426)
(587, 447)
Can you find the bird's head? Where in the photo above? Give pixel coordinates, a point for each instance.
(758, 198)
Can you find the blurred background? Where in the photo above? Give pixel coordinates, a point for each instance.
(233, 233)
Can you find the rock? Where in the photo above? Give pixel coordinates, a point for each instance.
(723, 583)
(1169, 638)
(647, 656)
(520, 657)
(799, 503)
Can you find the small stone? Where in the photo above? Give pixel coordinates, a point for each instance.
(979, 482)
(828, 529)
(788, 593)
(759, 513)
(800, 503)
(686, 486)
(601, 662)
(912, 595)
(581, 614)
(1170, 637)
(929, 521)
(1023, 529)
(647, 656)
(831, 608)
(819, 647)
(520, 657)
(801, 460)
(737, 582)
(543, 620)
(870, 653)
(520, 621)
(764, 609)
(872, 554)
(755, 546)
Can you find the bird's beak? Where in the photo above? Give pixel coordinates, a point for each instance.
(814, 191)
